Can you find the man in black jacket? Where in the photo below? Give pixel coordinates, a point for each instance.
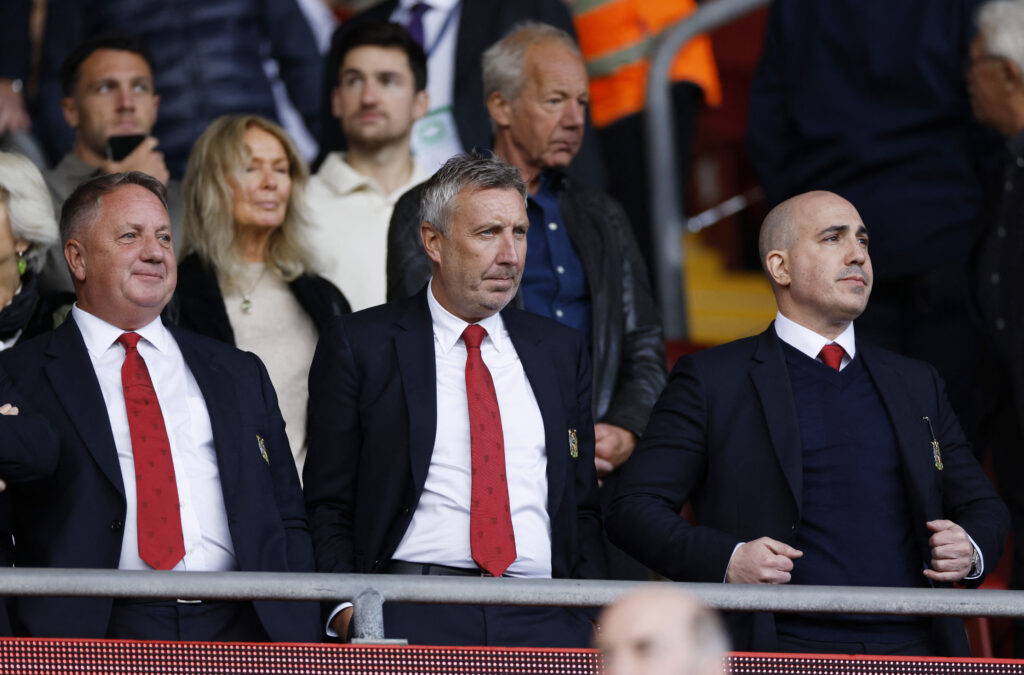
(583, 268)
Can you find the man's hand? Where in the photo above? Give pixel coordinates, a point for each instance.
(145, 158)
(13, 114)
(762, 561)
(8, 409)
(340, 623)
(612, 446)
(951, 551)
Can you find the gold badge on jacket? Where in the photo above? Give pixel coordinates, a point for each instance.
(574, 444)
(936, 450)
(263, 449)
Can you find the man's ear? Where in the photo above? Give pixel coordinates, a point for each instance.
(70, 110)
(74, 253)
(499, 108)
(777, 264)
(431, 239)
(420, 104)
(336, 102)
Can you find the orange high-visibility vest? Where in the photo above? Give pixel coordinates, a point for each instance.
(615, 37)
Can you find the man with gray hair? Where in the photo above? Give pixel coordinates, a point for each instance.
(583, 269)
(995, 79)
(661, 631)
(450, 434)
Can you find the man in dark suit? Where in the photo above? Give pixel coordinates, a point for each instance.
(172, 448)
(447, 413)
(848, 471)
(454, 36)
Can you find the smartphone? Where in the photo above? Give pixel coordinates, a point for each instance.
(119, 147)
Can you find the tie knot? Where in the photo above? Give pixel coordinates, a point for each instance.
(832, 355)
(419, 9)
(129, 341)
(473, 336)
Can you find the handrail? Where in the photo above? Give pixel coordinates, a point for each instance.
(662, 165)
(369, 591)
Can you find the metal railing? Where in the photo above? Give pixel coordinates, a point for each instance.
(368, 592)
(662, 163)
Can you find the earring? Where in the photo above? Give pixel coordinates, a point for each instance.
(22, 264)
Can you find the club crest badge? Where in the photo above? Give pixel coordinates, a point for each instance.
(263, 449)
(574, 444)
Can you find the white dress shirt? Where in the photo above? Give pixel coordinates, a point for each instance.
(438, 125)
(204, 522)
(10, 342)
(439, 531)
(807, 341)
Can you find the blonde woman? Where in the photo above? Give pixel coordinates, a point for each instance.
(247, 276)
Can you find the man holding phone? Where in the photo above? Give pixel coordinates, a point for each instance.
(111, 103)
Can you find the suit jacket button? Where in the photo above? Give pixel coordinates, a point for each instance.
(116, 525)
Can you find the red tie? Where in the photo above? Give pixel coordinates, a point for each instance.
(157, 507)
(492, 540)
(832, 355)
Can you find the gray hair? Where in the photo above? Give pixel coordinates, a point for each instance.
(1001, 24)
(503, 61)
(709, 638)
(474, 171)
(83, 205)
(29, 206)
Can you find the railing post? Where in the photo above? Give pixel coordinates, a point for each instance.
(368, 616)
(662, 165)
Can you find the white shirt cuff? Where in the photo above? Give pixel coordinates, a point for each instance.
(337, 610)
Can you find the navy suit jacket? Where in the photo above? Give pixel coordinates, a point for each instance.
(372, 419)
(75, 517)
(725, 436)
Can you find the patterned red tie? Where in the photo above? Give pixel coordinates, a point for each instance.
(157, 508)
(832, 355)
(492, 540)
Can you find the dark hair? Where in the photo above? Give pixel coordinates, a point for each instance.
(383, 34)
(84, 202)
(71, 68)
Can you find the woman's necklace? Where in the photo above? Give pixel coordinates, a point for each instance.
(246, 300)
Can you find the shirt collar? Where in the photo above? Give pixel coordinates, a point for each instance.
(448, 328)
(340, 177)
(810, 343)
(100, 335)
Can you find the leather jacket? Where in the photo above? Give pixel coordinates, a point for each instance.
(626, 336)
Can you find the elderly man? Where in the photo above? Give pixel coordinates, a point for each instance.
(172, 452)
(109, 98)
(661, 632)
(451, 435)
(812, 458)
(996, 86)
(583, 269)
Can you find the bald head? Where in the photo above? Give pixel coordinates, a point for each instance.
(814, 248)
(661, 631)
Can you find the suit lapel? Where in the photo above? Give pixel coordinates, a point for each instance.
(910, 429)
(414, 346)
(771, 380)
(74, 382)
(543, 377)
(222, 404)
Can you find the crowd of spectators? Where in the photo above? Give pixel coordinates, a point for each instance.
(464, 220)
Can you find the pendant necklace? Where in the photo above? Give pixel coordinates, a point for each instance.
(246, 300)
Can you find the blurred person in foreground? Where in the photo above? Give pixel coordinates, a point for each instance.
(996, 86)
(172, 452)
(27, 231)
(660, 631)
(248, 277)
(813, 457)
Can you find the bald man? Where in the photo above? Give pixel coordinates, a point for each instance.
(812, 458)
(660, 631)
